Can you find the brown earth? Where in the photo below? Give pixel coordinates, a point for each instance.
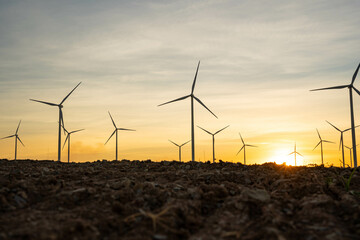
(172, 200)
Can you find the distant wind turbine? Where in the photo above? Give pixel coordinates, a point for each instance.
(350, 87)
(116, 131)
(350, 148)
(68, 139)
(192, 96)
(16, 138)
(321, 145)
(179, 146)
(341, 139)
(244, 147)
(295, 152)
(213, 138)
(61, 120)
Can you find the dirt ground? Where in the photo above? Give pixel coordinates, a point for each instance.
(173, 200)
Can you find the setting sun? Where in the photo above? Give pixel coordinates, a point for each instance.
(281, 156)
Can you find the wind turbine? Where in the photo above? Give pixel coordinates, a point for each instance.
(61, 120)
(68, 139)
(16, 138)
(213, 138)
(244, 147)
(295, 152)
(350, 87)
(192, 96)
(321, 145)
(341, 139)
(116, 131)
(350, 148)
(179, 146)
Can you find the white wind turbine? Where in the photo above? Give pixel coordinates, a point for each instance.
(61, 120)
(350, 87)
(244, 147)
(179, 146)
(68, 138)
(116, 131)
(192, 97)
(321, 146)
(295, 152)
(213, 138)
(16, 138)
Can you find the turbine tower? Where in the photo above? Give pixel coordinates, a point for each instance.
(116, 131)
(179, 146)
(16, 138)
(61, 120)
(244, 147)
(295, 152)
(350, 87)
(341, 139)
(68, 139)
(321, 146)
(192, 97)
(213, 138)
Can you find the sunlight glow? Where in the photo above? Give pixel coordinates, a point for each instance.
(281, 156)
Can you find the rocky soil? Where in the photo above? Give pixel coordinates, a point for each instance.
(172, 200)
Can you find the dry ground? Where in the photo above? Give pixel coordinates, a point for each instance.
(172, 200)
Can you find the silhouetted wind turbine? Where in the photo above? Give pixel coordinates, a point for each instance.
(16, 138)
(68, 138)
(244, 147)
(295, 152)
(350, 148)
(350, 87)
(321, 145)
(213, 138)
(116, 131)
(192, 96)
(179, 146)
(61, 120)
(341, 139)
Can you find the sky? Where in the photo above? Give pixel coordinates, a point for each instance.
(259, 59)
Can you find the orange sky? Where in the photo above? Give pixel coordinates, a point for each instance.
(258, 64)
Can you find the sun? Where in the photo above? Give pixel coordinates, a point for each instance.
(281, 156)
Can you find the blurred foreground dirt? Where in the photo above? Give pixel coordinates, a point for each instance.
(172, 200)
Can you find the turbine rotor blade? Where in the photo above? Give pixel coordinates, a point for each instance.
(77, 131)
(298, 153)
(318, 133)
(18, 128)
(248, 145)
(193, 86)
(66, 140)
(110, 136)
(341, 141)
(112, 119)
(125, 129)
(69, 93)
(222, 129)
(62, 118)
(173, 143)
(20, 140)
(291, 153)
(355, 73)
(242, 139)
(205, 130)
(175, 100)
(185, 143)
(48, 103)
(327, 141)
(316, 145)
(357, 91)
(336, 87)
(204, 106)
(333, 125)
(240, 150)
(9, 136)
